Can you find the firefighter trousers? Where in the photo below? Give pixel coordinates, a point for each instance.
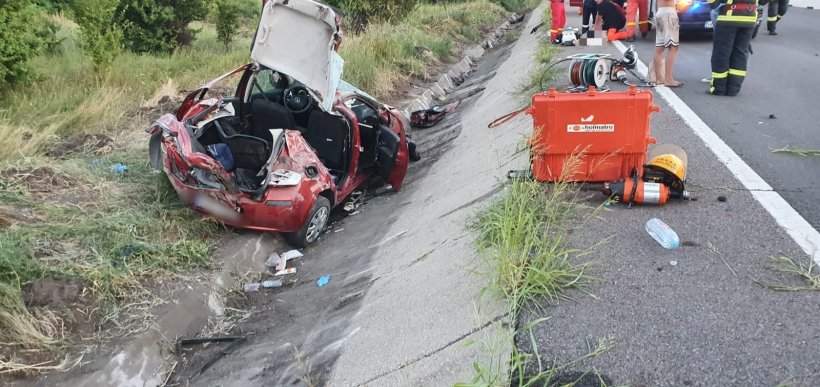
(637, 13)
(777, 8)
(588, 19)
(559, 19)
(730, 55)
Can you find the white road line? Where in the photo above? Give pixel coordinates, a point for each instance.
(798, 228)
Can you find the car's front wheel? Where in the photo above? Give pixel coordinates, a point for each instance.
(314, 225)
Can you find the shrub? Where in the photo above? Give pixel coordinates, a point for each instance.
(228, 13)
(358, 13)
(101, 38)
(159, 25)
(24, 33)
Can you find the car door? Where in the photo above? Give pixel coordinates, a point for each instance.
(393, 153)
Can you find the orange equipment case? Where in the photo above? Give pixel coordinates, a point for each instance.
(609, 133)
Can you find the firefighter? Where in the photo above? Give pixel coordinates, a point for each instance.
(559, 19)
(730, 53)
(777, 8)
(611, 12)
(634, 8)
(590, 12)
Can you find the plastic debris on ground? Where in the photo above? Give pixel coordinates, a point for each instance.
(119, 168)
(673, 263)
(291, 270)
(663, 234)
(252, 287)
(272, 284)
(279, 262)
(323, 280)
(355, 201)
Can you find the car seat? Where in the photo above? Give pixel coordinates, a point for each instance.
(328, 135)
(249, 152)
(266, 115)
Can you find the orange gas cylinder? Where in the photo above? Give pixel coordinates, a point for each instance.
(596, 137)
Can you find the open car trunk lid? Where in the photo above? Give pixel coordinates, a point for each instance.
(300, 38)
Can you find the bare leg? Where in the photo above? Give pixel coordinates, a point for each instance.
(671, 55)
(658, 67)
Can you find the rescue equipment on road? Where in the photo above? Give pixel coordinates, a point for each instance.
(608, 132)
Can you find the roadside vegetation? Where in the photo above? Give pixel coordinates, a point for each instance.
(522, 239)
(86, 228)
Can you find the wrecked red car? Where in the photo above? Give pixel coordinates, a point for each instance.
(292, 142)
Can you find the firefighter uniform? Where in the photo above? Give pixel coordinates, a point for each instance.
(777, 8)
(634, 8)
(559, 19)
(730, 53)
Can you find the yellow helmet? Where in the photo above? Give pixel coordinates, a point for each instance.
(669, 158)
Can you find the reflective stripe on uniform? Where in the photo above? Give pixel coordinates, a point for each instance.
(743, 19)
(720, 75)
(630, 24)
(772, 18)
(737, 73)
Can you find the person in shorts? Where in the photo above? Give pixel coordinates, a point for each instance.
(667, 38)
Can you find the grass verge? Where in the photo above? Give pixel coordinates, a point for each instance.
(387, 54)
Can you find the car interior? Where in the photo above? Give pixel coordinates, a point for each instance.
(275, 101)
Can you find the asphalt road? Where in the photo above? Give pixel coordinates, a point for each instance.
(697, 316)
(783, 80)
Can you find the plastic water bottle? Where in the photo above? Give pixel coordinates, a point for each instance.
(119, 168)
(663, 234)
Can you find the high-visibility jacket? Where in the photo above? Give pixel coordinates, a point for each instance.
(741, 13)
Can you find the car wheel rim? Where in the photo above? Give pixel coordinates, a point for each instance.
(317, 223)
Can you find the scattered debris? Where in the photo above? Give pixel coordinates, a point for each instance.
(354, 201)
(272, 284)
(428, 118)
(323, 280)
(280, 262)
(252, 287)
(291, 270)
(203, 340)
(722, 199)
(772, 116)
(673, 263)
(663, 234)
(338, 230)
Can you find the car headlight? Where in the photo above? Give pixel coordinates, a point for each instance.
(284, 178)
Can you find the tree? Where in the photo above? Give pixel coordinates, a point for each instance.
(159, 25)
(101, 37)
(228, 13)
(24, 33)
(358, 13)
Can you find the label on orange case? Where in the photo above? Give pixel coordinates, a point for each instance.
(591, 128)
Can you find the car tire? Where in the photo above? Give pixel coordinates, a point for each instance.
(314, 225)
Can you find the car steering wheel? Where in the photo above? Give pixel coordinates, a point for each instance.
(298, 99)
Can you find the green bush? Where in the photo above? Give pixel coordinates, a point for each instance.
(159, 25)
(24, 33)
(358, 13)
(101, 38)
(227, 17)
